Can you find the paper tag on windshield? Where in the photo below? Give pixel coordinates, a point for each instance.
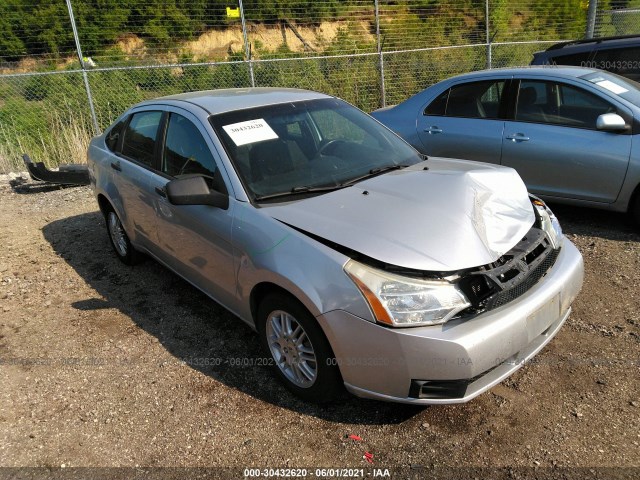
(612, 87)
(250, 132)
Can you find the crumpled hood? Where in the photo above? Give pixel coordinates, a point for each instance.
(455, 215)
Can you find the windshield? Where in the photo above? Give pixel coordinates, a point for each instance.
(621, 86)
(308, 146)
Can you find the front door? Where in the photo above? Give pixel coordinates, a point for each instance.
(195, 240)
(554, 145)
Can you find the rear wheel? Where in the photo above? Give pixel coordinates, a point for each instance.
(301, 354)
(120, 240)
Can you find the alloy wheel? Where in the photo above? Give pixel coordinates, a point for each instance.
(291, 348)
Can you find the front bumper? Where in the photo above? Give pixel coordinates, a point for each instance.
(383, 363)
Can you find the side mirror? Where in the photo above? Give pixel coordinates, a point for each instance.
(195, 191)
(611, 122)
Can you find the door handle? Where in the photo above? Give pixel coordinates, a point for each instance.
(433, 129)
(160, 191)
(517, 137)
(116, 166)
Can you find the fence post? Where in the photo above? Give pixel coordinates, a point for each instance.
(383, 93)
(487, 32)
(84, 68)
(591, 18)
(247, 50)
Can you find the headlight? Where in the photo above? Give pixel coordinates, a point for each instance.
(549, 222)
(406, 302)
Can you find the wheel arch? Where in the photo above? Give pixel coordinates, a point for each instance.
(104, 204)
(262, 289)
(633, 208)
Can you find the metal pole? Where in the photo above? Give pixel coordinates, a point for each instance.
(487, 34)
(383, 93)
(247, 50)
(84, 68)
(591, 18)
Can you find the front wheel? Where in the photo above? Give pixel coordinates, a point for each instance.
(120, 240)
(302, 356)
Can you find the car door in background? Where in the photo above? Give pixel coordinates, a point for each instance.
(465, 121)
(195, 240)
(554, 145)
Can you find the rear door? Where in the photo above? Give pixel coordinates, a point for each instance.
(136, 177)
(465, 121)
(554, 145)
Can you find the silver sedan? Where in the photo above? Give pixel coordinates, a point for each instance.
(573, 134)
(359, 262)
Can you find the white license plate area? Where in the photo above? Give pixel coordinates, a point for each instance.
(540, 320)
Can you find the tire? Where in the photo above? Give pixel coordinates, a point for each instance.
(306, 367)
(119, 239)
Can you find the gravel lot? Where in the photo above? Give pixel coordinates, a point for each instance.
(92, 375)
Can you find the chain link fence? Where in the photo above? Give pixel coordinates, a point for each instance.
(57, 90)
(621, 21)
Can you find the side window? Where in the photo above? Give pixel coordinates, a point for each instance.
(578, 59)
(113, 136)
(623, 61)
(185, 150)
(475, 100)
(533, 102)
(561, 105)
(581, 108)
(439, 106)
(490, 99)
(140, 137)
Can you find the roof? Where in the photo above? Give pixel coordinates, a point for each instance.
(595, 43)
(225, 100)
(562, 70)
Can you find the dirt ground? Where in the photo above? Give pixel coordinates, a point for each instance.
(92, 371)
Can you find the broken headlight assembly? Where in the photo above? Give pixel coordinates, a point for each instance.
(548, 222)
(400, 301)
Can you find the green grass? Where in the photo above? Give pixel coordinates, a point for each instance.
(48, 116)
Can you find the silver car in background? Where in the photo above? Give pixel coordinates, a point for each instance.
(573, 134)
(359, 262)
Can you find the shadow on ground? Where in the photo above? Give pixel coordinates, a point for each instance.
(189, 324)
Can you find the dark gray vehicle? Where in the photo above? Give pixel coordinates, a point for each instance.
(619, 55)
(573, 134)
(359, 263)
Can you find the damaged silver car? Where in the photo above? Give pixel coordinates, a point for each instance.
(359, 262)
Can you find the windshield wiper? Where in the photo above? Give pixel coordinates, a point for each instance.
(299, 190)
(308, 189)
(372, 173)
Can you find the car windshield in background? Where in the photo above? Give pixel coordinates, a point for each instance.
(621, 86)
(307, 147)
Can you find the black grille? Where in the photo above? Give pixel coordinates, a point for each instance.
(511, 275)
(505, 296)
